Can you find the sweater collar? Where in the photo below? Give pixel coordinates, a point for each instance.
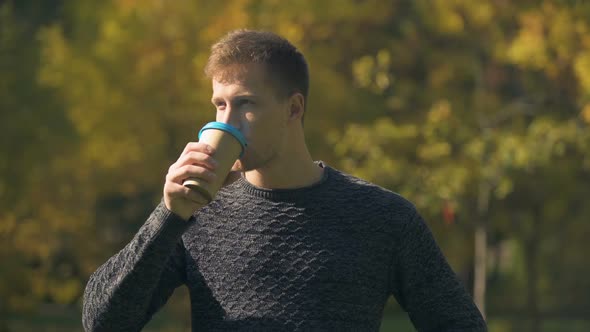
(286, 194)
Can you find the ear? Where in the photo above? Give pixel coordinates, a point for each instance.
(296, 106)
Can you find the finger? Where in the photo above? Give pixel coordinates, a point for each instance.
(182, 173)
(181, 191)
(199, 147)
(197, 158)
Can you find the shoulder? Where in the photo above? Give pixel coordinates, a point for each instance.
(367, 195)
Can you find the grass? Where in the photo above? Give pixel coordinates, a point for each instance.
(171, 319)
(390, 323)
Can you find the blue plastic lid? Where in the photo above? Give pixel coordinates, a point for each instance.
(229, 129)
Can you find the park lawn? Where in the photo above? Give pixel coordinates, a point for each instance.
(69, 320)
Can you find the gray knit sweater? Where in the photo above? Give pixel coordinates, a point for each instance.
(321, 258)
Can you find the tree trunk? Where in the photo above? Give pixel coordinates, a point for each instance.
(531, 249)
(481, 246)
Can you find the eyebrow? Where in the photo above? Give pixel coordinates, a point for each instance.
(242, 96)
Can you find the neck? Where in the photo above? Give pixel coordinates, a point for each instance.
(290, 170)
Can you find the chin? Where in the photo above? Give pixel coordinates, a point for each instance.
(245, 165)
(250, 161)
(241, 166)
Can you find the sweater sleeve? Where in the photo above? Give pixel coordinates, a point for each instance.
(427, 288)
(131, 286)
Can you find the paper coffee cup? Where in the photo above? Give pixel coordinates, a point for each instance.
(229, 145)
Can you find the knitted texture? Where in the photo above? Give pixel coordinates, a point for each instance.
(320, 258)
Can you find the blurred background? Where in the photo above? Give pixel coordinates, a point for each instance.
(476, 111)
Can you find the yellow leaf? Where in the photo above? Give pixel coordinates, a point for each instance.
(585, 114)
(582, 70)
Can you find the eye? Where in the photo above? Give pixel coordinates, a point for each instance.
(219, 105)
(244, 102)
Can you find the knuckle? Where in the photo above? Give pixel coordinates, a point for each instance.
(194, 155)
(209, 159)
(191, 170)
(182, 172)
(199, 157)
(205, 148)
(169, 176)
(199, 170)
(182, 160)
(187, 171)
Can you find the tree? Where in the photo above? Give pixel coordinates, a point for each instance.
(487, 105)
(474, 110)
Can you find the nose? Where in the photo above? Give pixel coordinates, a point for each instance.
(230, 117)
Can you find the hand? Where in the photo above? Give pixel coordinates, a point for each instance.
(195, 161)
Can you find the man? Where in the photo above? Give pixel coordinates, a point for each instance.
(288, 244)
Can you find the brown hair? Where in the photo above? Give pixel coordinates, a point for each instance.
(285, 65)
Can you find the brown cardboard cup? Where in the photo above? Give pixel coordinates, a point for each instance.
(227, 150)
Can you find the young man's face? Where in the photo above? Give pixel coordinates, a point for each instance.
(249, 103)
